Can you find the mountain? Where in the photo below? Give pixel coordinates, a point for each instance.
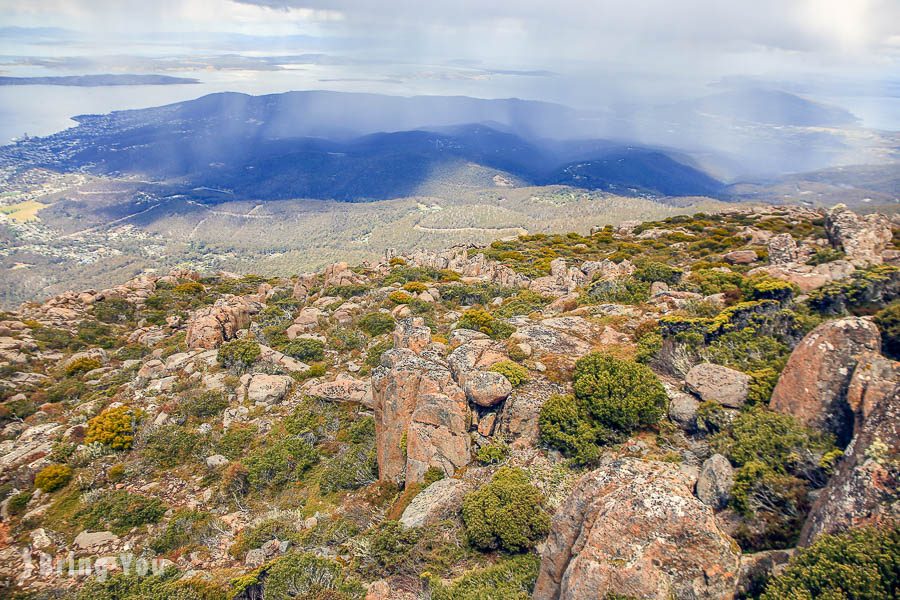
(98, 80)
(317, 145)
(506, 422)
(770, 107)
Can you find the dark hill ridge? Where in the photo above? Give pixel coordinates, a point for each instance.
(320, 145)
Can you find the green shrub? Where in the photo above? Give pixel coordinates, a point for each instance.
(861, 564)
(119, 511)
(865, 291)
(373, 354)
(236, 440)
(627, 290)
(113, 310)
(257, 535)
(431, 475)
(346, 291)
(507, 513)
(279, 462)
(351, 469)
(477, 293)
(189, 288)
(620, 394)
(53, 477)
(377, 323)
(509, 579)
(492, 453)
(82, 365)
(345, 339)
(391, 542)
(523, 303)
(305, 349)
(114, 428)
(515, 373)
(186, 528)
(565, 425)
(168, 446)
(18, 503)
(826, 255)
(302, 575)
(206, 404)
(415, 287)
(888, 321)
(771, 289)
(399, 297)
(478, 319)
(657, 271)
(239, 354)
(164, 586)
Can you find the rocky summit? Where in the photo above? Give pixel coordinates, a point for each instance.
(702, 407)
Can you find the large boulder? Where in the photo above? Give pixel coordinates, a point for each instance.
(719, 384)
(262, 388)
(863, 490)
(517, 421)
(783, 249)
(634, 528)
(209, 326)
(440, 500)
(862, 238)
(412, 334)
(487, 388)
(813, 386)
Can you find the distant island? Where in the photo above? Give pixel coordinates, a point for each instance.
(98, 80)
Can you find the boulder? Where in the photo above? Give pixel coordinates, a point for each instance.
(715, 481)
(812, 388)
(342, 389)
(96, 540)
(486, 388)
(719, 384)
(740, 257)
(209, 326)
(262, 388)
(305, 321)
(440, 500)
(808, 277)
(862, 238)
(634, 528)
(863, 490)
(682, 408)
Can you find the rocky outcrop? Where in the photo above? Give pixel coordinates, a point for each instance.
(863, 490)
(486, 388)
(421, 415)
(634, 528)
(339, 274)
(518, 418)
(813, 386)
(740, 257)
(342, 389)
(808, 277)
(720, 384)
(306, 320)
(862, 238)
(782, 249)
(474, 267)
(208, 327)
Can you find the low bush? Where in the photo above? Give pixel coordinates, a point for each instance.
(114, 428)
(658, 271)
(377, 323)
(166, 586)
(302, 575)
(202, 405)
(119, 511)
(861, 564)
(492, 453)
(415, 287)
(507, 513)
(82, 365)
(53, 477)
(523, 303)
(305, 349)
(373, 354)
(18, 503)
(509, 579)
(279, 461)
(514, 372)
(888, 321)
(618, 291)
(618, 393)
(565, 425)
(168, 446)
(186, 528)
(478, 319)
(238, 354)
(257, 535)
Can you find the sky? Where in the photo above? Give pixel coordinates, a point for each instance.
(585, 53)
